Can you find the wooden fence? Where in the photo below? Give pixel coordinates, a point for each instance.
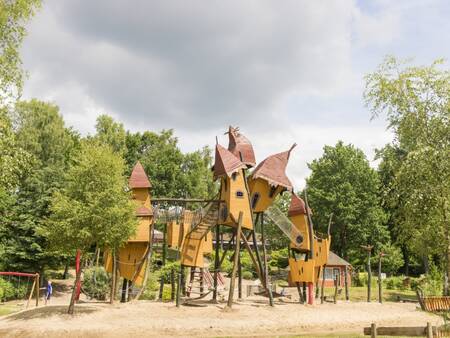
(428, 331)
(436, 304)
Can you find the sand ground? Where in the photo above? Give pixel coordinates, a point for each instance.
(252, 317)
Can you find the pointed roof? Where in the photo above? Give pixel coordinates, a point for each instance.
(241, 147)
(225, 163)
(138, 178)
(297, 206)
(143, 211)
(273, 169)
(335, 260)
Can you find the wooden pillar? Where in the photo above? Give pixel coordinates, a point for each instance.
(336, 283)
(172, 284)
(300, 294)
(368, 249)
(347, 295)
(164, 256)
(235, 263)
(429, 330)
(304, 291)
(216, 263)
(322, 298)
(37, 289)
(201, 282)
(239, 277)
(255, 247)
(123, 296)
(266, 270)
(113, 279)
(380, 283)
(373, 330)
(180, 274)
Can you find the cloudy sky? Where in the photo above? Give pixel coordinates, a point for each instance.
(284, 71)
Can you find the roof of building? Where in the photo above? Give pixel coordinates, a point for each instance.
(225, 163)
(273, 169)
(138, 178)
(241, 147)
(143, 211)
(297, 206)
(335, 260)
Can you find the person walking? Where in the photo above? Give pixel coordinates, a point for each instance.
(48, 292)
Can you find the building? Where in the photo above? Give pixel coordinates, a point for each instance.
(336, 266)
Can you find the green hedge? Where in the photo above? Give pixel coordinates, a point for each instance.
(96, 283)
(11, 290)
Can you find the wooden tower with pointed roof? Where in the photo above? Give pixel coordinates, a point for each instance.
(132, 256)
(297, 215)
(268, 180)
(233, 189)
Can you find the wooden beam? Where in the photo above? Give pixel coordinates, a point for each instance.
(235, 263)
(186, 200)
(409, 331)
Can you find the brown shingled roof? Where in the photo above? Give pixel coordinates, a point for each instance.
(241, 147)
(225, 162)
(143, 211)
(138, 178)
(273, 169)
(297, 206)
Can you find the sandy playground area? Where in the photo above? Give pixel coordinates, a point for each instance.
(252, 317)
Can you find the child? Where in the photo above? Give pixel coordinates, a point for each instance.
(49, 291)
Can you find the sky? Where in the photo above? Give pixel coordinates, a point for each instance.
(283, 71)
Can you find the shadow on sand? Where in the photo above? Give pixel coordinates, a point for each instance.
(47, 311)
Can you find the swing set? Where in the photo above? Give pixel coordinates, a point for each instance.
(19, 279)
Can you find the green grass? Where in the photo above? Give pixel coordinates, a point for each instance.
(359, 294)
(8, 309)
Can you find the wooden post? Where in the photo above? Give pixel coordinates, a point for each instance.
(31, 292)
(368, 249)
(347, 295)
(300, 294)
(180, 274)
(148, 261)
(239, 277)
(216, 264)
(304, 292)
(380, 284)
(113, 277)
(373, 330)
(235, 263)
(266, 269)
(201, 282)
(322, 286)
(252, 257)
(316, 285)
(255, 246)
(164, 256)
(172, 284)
(336, 279)
(123, 296)
(37, 289)
(429, 330)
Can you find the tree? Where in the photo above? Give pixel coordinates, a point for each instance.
(93, 207)
(343, 183)
(172, 173)
(14, 160)
(415, 101)
(111, 133)
(13, 18)
(40, 131)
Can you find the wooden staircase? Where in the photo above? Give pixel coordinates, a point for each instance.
(192, 249)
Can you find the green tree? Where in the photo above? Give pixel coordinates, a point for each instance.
(40, 131)
(111, 133)
(172, 173)
(13, 17)
(93, 207)
(415, 101)
(343, 183)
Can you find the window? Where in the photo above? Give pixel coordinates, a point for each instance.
(299, 239)
(234, 176)
(239, 194)
(329, 273)
(272, 191)
(255, 199)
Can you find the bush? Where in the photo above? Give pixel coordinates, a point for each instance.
(96, 283)
(279, 258)
(394, 283)
(151, 289)
(7, 291)
(247, 274)
(360, 279)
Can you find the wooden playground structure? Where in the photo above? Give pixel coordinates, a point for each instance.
(245, 200)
